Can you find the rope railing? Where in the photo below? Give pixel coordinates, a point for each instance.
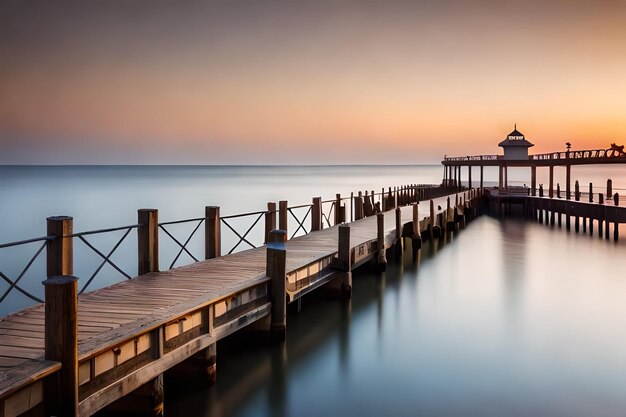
(13, 283)
(183, 246)
(244, 228)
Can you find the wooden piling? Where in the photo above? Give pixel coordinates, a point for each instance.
(380, 240)
(270, 220)
(533, 181)
(276, 271)
(590, 192)
(344, 259)
(61, 344)
(60, 250)
(338, 209)
(399, 239)
(432, 219)
(148, 240)
(551, 183)
(609, 188)
(358, 208)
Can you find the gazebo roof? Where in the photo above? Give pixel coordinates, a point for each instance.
(513, 139)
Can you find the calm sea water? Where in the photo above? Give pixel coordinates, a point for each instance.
(508, 318)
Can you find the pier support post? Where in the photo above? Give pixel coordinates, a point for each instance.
(148, 241)
(500, 178)
(399, 239)
(616, 224)
(276, 271)
(316, 214)
(380, 240)
(533, 181)
(60, 250)
(416, 239)
(609, 188)
(282, 216)
(568, 181)
(270, 220)
(213, 232)
(601, 212)
(344, 262)
(432, 220)
(551, 185)
(481, 177)
(61, 344)
(469, 177)
(558, 190)
(591, 192)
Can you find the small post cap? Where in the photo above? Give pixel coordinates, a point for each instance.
(60, 280)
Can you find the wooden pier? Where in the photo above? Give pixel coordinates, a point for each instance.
(78, 354)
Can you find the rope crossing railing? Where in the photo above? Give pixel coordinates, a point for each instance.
(183, 246)
(300, 223)
(106, 259)
(243, 237)
(13, 283)
(330, 211)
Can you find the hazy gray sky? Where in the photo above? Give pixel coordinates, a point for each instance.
(305, 82)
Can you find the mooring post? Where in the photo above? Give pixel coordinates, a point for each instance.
(432, 220)
(568, 180)
(148, 240)
(276, 271)
(270, 220)
(212, 232)
(558, 190)
(607, 223)
(533, 181)
(344, 261)
(282, 216)
(591, 192)
(616, 224)
(576, 191)
(399, 239)
(60, 250)
(540, 190)
(61, 344)
(601, 211)
(609, 188)
(380, 241)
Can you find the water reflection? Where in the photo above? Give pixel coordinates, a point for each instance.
(507, 319)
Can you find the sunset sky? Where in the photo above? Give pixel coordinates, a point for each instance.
(306, 82)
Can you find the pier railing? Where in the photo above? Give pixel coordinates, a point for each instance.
(564, 155)
(94, 253)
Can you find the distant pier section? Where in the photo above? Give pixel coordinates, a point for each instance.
(553, 205)
(515, 154)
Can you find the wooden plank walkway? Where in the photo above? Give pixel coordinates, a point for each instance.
(130, 328)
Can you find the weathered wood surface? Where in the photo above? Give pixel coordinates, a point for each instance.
(111, 316)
